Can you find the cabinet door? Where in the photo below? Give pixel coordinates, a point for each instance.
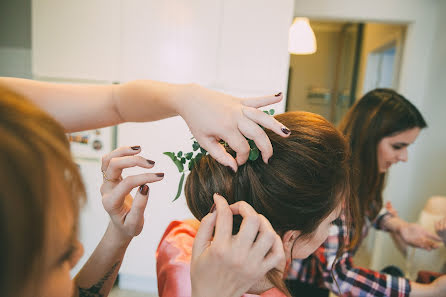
(170, 40)
(75, 39)
(253, 54)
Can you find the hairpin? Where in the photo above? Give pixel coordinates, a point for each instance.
(186, 161)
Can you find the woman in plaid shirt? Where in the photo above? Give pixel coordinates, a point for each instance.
(380, 127)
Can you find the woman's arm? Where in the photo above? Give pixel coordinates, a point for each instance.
(410, 233)
(97, 276)
(210, 115)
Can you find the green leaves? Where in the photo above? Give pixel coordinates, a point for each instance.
(180, 187)
(254, 152)
(195, 146)
(175, 160)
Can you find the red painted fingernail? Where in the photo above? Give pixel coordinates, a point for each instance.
(159, 174)
(212, 208)
(278, 94)
(150, 162)
(286, 130)
(144, 189)
(135, 148)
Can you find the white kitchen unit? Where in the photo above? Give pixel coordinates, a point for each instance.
(170, 40)
(75, 39)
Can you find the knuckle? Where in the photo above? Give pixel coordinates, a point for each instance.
(105, 158)
(253, 220)
(218, 252)
(270, 237)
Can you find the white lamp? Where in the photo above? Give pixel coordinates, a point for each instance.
(301, 39)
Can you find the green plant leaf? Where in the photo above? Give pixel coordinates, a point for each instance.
(183, 160)
(254, 154)
(191, 164)
(265, 111)
(175, 160)
(180, 187)
(189, 155)
(180, 154)
(195, 146)
(203, 150)
(198, 157)
(272, 111)
(252, 144)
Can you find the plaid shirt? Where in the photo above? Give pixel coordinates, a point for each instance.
(352, 281)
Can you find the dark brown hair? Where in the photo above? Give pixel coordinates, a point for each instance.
(379, 113)
(32, 144)
(306, 178)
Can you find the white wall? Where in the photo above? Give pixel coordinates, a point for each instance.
(417, 76)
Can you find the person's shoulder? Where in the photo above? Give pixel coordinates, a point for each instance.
(178, 238)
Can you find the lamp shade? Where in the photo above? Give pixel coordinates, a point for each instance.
(301, 39)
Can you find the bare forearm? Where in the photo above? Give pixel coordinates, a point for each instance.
(98, 275)
(76, 107)
(84, 107)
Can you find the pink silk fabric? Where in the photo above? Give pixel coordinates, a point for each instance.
(173, 258)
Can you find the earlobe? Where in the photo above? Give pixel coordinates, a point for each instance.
(289, 238)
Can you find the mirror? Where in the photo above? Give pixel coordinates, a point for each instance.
(351, 59)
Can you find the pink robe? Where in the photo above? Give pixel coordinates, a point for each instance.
(173, 258)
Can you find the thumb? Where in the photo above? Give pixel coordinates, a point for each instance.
(218, 152)
(204, 234)
(135, 217)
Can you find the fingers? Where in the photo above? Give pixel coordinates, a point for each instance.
(265, 240)
(218, 152)
(204, 234)
(262, 101)
(432, 236)
(240, 145)
(266, 121)
(253, 131)
(135, 217)
(114, 200)
(119, 152)
(250, 223)
(223, 228)
(117, 164)
(276, 256)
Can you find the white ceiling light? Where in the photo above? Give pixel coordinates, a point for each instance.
(301, 39)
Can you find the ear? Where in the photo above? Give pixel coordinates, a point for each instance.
(289, 238)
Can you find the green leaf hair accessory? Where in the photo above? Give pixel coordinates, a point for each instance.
(180, 159)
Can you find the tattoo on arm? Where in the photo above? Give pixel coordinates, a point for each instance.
(94, 291)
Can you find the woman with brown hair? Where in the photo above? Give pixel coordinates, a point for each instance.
(41, 191)
(299, 191)
(380, 127)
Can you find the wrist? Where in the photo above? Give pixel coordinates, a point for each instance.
(116, 238)
(179, 95)
(395, 224)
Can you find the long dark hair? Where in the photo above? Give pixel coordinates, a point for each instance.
(306, 178)
(379, 113)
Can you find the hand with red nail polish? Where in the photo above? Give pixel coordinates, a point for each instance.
(126, 212)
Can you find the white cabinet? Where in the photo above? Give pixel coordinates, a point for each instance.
(170, 40)
(75, 39)
(253, 54)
